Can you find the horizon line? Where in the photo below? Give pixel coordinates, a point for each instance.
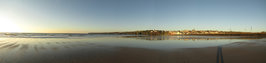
(129, 31)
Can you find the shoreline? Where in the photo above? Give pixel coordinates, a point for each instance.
(187, 32)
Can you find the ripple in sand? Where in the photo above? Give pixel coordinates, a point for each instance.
(14, 46)
(9, 45)
(3, 43)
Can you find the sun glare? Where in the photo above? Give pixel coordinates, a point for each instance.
(7, 24)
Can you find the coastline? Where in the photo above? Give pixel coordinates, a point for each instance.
(186, 33)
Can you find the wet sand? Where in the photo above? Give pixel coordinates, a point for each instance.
(242, 54)
(249, 51)
(192, 55)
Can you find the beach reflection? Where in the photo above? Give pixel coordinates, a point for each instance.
(132, 49)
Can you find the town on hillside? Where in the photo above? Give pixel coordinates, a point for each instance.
(189, 32)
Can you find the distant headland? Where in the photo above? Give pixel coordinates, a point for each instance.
(188, 32)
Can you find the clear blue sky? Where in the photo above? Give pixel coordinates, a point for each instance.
(128, 15)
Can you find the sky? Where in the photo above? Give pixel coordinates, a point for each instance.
(82, 16)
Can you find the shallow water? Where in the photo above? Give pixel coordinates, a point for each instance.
(84, 48)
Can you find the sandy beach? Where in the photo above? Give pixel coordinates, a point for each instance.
(130, 50)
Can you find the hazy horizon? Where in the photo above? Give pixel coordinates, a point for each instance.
(83, 16)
